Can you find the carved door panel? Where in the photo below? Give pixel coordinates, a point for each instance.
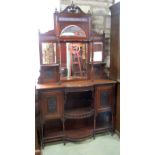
(51, 105)
(104, 98)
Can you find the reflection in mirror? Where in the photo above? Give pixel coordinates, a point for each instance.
(98, 52)
(73, 30)
(97, 56)
(76, 63)
(48, 53)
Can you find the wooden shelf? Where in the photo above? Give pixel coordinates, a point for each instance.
(52, 117)
(72, 78)
(53, 130)
(102, 127)
(53, 136)
(79, 113)
(49, 65)
(98, 63)
(105, 109)
(78, 134)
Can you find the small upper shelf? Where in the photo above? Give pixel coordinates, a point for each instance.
(49, 65)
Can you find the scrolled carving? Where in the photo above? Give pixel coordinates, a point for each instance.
(72, 9)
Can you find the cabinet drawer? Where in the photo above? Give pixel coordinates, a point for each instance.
(104, 97)
(51, 105)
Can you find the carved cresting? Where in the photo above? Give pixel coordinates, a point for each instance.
(73, 9)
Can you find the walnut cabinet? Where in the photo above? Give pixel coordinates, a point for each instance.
(74, 111)
(76, 100)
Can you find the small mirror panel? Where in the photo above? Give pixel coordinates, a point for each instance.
(98, 52)
(48, 53)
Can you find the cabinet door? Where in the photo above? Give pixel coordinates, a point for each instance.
(104, 98)
(51, 105)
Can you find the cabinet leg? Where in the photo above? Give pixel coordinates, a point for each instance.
(112, 129)
(64, 141)
(63, 121)
(94, 135)
(94, 127)
(42, 144)
(112, 132)
(42, 136)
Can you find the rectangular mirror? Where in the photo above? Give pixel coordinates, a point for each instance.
(73, 60)
(97, 56)
(48, 51)
(98, 52)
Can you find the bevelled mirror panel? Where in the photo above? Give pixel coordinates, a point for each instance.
(74, 63)
(48, 53)
(98, 52)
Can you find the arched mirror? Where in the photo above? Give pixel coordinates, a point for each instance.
(73, 30)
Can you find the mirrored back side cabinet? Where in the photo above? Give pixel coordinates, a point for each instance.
(75, 98)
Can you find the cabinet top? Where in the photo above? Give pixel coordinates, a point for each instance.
(73, 84)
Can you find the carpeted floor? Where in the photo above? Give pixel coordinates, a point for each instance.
(102, 145)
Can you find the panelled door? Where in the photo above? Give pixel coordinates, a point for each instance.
(104, 98)
(51, 105)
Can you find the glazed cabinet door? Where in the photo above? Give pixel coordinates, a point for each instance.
(51, 105)
(104, 98)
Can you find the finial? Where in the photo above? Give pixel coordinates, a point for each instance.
(72, 5)
(56, 10)
(89, 12)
